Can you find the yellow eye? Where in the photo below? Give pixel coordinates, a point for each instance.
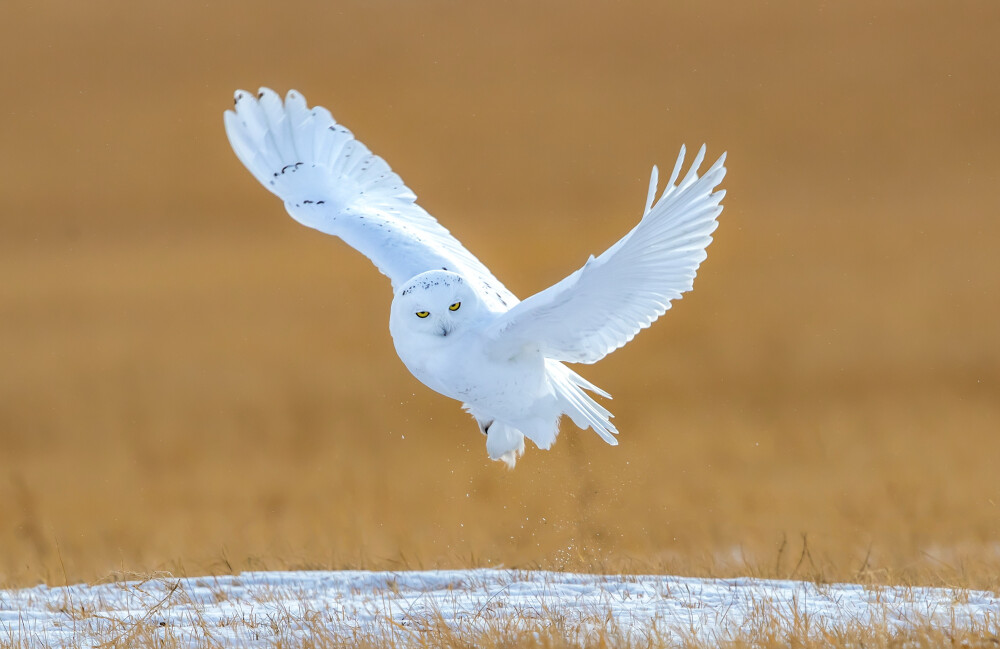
(454, 307)
(423, 314)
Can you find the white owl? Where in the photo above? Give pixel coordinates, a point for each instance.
(454, 325)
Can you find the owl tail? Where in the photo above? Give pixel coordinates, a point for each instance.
(580, 406)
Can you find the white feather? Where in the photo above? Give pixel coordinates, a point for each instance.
(453, 323)
(331, 182)
(604, 304)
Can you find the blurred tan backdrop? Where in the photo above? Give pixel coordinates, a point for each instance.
(190, 381)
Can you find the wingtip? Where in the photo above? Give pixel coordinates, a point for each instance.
(654, 178)
(264, 91)
(239, 96)
(293, 96)
(698, 159)
(718, 168)
(677, 168)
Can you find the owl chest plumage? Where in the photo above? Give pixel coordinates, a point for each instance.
(458, 367)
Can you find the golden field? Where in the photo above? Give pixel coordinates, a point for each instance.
(191, 382)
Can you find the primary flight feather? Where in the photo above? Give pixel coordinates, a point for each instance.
(454, 325)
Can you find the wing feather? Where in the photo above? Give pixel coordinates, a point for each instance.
(331, 182)
(604, 304)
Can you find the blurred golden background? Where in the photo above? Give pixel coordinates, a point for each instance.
(193, 382)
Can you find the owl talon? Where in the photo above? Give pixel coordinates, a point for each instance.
(484, 426)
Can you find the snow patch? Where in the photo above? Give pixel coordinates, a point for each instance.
(259, 608)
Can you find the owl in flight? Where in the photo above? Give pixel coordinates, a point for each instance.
(454, 325)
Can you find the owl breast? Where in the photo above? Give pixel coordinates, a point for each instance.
(458, 367)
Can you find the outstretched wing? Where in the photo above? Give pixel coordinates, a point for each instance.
(331, 182)
(603, 305)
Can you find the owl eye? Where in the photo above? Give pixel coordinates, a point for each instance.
(423, 314)
(454, 307)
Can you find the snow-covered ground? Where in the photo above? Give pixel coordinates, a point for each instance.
(261, 608)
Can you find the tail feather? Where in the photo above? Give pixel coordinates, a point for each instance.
(580, 406)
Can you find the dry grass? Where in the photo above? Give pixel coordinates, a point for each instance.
(191, 382)
(163, 612)
(310, 633)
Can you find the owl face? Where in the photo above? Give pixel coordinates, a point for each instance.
(436, 303)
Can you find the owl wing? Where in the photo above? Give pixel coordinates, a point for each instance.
(604, 304)
(331, 182)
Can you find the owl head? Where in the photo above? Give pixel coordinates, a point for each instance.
(437, 303)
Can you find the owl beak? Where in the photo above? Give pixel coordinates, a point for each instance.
(445, 329)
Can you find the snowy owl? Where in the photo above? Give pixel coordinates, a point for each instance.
(455, 326)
